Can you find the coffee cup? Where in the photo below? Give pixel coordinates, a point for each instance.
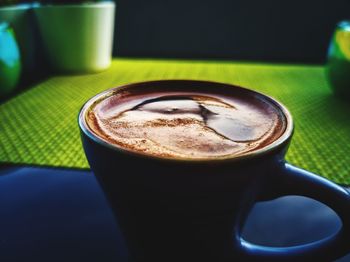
(182, 163)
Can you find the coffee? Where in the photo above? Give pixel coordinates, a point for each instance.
(185, 124)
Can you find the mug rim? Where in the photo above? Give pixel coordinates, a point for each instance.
(278, 143)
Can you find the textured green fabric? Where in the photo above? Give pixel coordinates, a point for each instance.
(40, 125)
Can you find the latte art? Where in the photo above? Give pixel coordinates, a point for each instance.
(186, 124)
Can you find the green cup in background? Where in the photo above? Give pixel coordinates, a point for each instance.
(10, 60)
(78, 38)
(338, 64)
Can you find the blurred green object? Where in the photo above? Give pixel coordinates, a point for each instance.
(20, 17)
(78, 38)
(338, 65)
(10, 63)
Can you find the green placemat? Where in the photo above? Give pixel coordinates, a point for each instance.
(40, 125)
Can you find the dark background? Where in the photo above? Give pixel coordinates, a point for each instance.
(259, 30)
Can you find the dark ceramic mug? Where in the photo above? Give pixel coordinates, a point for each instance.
(184, 210)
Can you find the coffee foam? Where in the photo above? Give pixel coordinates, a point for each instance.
(186, 124)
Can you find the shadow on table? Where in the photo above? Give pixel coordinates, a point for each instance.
(336, 109)
(62, 215)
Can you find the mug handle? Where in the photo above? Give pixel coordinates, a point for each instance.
(296, 181)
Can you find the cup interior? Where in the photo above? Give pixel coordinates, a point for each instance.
(189, 86)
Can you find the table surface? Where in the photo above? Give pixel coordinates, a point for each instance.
(39, 126)
(53, 214)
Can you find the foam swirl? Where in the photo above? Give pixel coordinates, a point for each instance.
(186, 125)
